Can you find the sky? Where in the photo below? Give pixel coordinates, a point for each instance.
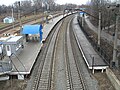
(8, 2)
(78, 2)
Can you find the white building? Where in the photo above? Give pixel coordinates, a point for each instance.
(12, 45)
(8, 19)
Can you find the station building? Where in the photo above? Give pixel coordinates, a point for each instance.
(8, 19)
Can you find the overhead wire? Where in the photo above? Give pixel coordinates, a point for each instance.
(15, 65)
(19, 61)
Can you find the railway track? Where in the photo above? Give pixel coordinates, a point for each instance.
(42, 76)
(8, 28)
(75, 73)
(58, 68)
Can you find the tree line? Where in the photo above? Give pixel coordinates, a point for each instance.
(28, 7)
(108, 8)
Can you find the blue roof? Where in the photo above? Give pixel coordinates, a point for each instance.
(1, 42)
(81, 13)
(31, 29)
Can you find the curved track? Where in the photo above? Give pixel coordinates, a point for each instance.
(58, 68)
(77, 80)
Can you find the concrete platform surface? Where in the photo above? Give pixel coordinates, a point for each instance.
(23, 63)
(47, 27)
(87, 49)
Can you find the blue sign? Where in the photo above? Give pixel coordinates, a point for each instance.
(41, 27)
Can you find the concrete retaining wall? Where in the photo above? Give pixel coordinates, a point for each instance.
(113, 79)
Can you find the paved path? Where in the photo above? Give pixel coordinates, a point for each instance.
(104, 35)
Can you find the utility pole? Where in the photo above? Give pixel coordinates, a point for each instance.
(43, 6)
(114, 61)
(35, 14)
(13, 16)
(47, 8)
(12, 12)
(83, 19)
(99, 29)
(19, 15)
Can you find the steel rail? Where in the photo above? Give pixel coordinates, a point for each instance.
(67, 58)
(44, 77)
(76, 59)
(38, 77)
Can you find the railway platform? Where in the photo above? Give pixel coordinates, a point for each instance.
(47, 27)
(92, 59)
(23, 63)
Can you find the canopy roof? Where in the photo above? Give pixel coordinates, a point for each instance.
(32, 29)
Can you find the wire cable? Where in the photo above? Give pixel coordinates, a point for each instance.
(19, 61)
(15, 67)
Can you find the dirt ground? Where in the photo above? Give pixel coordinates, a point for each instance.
(13, 84)
(103, 81)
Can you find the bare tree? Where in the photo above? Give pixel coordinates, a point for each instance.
(26, 6)
(100, 5)
(38, 5)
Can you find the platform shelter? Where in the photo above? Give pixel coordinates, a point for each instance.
(32, 32)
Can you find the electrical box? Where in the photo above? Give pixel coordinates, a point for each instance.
(1, 49)
(8, 50)
(12, 45)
